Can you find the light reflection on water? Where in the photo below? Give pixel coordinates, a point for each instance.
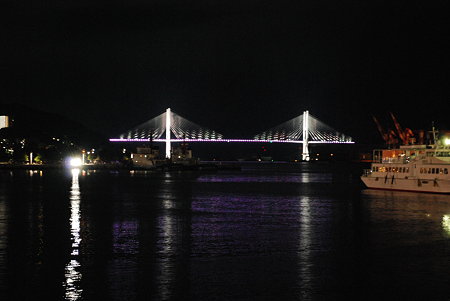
(304, 247)
(72, 274)
(446, 223)
(3, 241)
(197, 236)
(410, 206)
(167, 250)
(264, 178)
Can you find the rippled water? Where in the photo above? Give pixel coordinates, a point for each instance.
(270, 231)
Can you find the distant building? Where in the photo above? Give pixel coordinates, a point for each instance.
(4, 122)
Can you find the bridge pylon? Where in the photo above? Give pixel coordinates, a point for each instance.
(305, 153)
(168, 125)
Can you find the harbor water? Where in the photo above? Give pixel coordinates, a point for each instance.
(305, 231)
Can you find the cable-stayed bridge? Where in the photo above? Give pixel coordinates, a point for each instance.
(304, 129)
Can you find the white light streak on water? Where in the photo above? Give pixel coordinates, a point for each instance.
(72, 271)
(167, 250)
(305, 246)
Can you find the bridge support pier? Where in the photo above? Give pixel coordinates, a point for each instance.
(305, 153)
(168, 123)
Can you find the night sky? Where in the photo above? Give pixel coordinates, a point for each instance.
(239, 67)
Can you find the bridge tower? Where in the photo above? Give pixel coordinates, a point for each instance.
(305, 153)
(168, 124)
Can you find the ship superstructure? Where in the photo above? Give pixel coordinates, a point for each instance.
(411, 167)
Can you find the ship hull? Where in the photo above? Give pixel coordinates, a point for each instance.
(416, 185)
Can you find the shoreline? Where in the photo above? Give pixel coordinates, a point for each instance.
(165, 167)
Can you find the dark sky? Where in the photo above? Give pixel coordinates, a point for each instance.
(239, 67)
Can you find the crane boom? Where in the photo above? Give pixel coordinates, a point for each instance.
(401, 134)
(383, 134)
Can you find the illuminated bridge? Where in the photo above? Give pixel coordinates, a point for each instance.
(304, 129)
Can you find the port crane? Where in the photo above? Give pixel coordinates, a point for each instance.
(392, 137)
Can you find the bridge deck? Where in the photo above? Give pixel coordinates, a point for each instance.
(225, 140)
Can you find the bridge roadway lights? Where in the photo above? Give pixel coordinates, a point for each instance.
(228, 140)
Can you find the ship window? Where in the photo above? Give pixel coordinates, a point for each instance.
(421, 170)
(441, 171)
(445, 171)
(407, 169)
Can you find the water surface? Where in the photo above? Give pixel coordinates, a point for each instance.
(269, 231)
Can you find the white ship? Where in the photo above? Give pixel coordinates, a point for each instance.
(422, 168)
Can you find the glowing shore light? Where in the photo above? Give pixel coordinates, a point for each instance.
(75, 162)
(447, 141)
